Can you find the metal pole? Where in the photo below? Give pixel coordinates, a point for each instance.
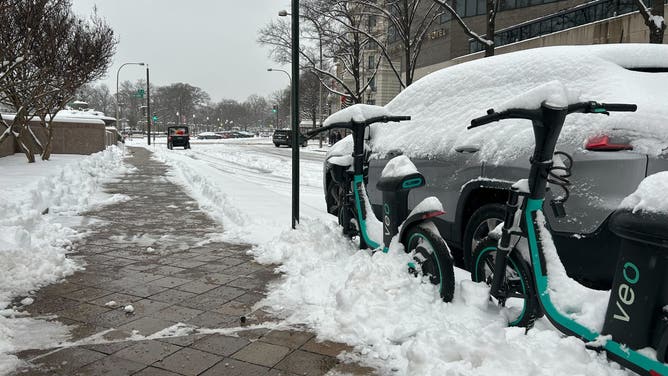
(320, 85)
(148, 106)
(295, 113)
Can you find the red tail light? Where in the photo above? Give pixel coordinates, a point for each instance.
(604, 143)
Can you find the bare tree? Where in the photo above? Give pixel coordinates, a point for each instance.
(488, 39)
(59, 52)
(84, 56)
(342, 43)
(179, 98)
(653, 19)
(409, 22)
(98, 97)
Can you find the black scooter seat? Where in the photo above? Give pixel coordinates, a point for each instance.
(400, 183)
(641, 226)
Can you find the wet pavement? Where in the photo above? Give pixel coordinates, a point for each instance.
(153, 252)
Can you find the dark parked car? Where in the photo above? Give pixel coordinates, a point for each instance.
(284, 137)
(178, 136)
(471, 171)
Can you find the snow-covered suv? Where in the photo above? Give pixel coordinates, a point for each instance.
(470, 171)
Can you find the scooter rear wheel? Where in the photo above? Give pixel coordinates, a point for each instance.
(520, 298)
(431, 258)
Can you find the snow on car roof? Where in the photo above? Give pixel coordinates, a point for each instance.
(443, 103)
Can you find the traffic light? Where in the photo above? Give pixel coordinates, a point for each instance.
(143, 110)
(155, 118)
(274, 109)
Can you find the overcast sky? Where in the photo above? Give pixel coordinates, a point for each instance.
(206, 43)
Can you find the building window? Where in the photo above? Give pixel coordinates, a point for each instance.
(372, 84)
(371, 63)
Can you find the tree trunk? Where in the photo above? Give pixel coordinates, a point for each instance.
(23, 145)
(46, 153)
(489, 48)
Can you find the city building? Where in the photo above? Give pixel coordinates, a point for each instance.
(519, 24)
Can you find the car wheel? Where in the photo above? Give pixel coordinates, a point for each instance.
(431, 259)
(483, 220)
(277, 145)
(520, 299)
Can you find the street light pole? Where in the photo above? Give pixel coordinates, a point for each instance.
(295, 113)
(118, 105)
(148, 107)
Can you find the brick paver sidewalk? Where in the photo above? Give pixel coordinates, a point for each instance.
(151, 252)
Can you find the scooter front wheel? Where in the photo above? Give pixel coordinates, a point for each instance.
(431, 258)
(520, 297)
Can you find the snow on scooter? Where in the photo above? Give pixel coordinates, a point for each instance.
(414, 229)
(635, 318)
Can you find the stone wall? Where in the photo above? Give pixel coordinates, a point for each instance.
(70, 136)
(78, 138)
(8, 146)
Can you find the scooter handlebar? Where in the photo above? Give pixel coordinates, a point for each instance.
(486, 119)
(585, 107)
(351, 124)
(513, 113)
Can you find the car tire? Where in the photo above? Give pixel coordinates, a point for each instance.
(431, 258)
(277, 145)
(483, 220)
(524, 308)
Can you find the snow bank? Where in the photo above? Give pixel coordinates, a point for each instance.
(397, 323)
(650, 196)
(34, 242)
(443, 103)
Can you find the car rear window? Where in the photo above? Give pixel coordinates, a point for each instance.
(178, 131)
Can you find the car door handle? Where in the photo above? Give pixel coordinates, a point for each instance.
(467, 149)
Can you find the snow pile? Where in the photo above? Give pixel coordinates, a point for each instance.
(33, 241)
(650, 196)
(443, 103)
(39, 202)
(398, 167)
(357, 113)
(397, 323)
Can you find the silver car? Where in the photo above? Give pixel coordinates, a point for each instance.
(471, 172)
